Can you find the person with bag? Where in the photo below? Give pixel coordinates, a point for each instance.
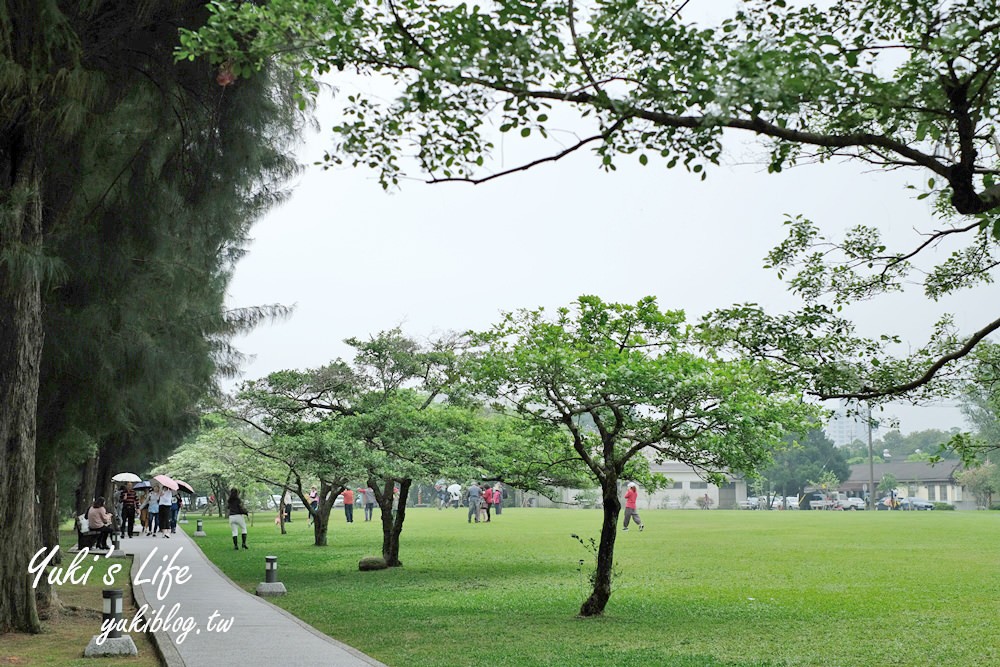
(237, 517)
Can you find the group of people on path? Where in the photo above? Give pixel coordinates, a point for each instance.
(156, 509)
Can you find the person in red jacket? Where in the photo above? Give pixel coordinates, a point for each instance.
(631, 493)
(349, 505)
(487, 501)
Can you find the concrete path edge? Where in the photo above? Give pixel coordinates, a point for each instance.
(168, 653)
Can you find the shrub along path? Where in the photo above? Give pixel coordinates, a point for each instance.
(210, 621)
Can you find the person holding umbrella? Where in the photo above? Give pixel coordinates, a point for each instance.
(166, 504)
(129, 503)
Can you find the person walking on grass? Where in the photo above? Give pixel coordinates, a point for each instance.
(630, 512)
(368, 497)
(237, 517)
(487, 501)
(475, 496)
(313, 503)
(349, 505)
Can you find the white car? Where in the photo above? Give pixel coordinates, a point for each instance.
(852, 503)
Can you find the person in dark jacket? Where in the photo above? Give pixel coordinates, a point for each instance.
(237, 517)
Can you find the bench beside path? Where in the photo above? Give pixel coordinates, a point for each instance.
(261, 633)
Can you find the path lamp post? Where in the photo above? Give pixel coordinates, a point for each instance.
(271, 586)
(111, 641)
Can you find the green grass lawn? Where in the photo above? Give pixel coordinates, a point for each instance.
(696, 588)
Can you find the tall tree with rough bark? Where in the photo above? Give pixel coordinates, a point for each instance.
(900, 84)
(636, 375)
(125, 194)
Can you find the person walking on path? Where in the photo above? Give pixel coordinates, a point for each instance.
(154, 509)
(369, 500)
(237, 517)
(143, 512)
(99, 519)
(349, 505)
(475, 496)
(166, 507)
(175, 509)
(129, 502)
(630, 512)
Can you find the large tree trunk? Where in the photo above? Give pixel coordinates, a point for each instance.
(321, 517)
(390, 546)
(107, 456)
(47, 477)
(20, 359)
(88, 480)
(594, 605)
(392, 526)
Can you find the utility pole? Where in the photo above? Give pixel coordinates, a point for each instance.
(871, 462)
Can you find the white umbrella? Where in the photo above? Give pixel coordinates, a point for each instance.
(126, 477)
(455, 488)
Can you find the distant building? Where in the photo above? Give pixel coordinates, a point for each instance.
(934, 482)
(845, 426)
(685, 488)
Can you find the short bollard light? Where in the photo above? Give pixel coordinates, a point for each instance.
(184, 516)
(271, 585)
(116, 546)
(112, 609)
(199, 529)
(111, 641)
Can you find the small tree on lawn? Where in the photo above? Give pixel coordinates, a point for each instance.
(300, 438)
(634, 373)
(982, 482)
(888, 485)
(827, 484)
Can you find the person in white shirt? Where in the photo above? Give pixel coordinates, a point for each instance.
(166, 500)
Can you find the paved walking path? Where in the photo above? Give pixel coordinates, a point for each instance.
(261, 633)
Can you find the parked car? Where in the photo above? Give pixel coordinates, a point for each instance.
(296, 502)
(851, 504)
(915, 504)
(816, 501)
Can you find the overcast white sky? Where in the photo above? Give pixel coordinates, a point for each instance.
(355, 260)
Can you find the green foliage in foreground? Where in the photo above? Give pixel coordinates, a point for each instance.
(695, 589)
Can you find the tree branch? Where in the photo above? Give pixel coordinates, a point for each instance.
(551, 158)
(868, 392)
